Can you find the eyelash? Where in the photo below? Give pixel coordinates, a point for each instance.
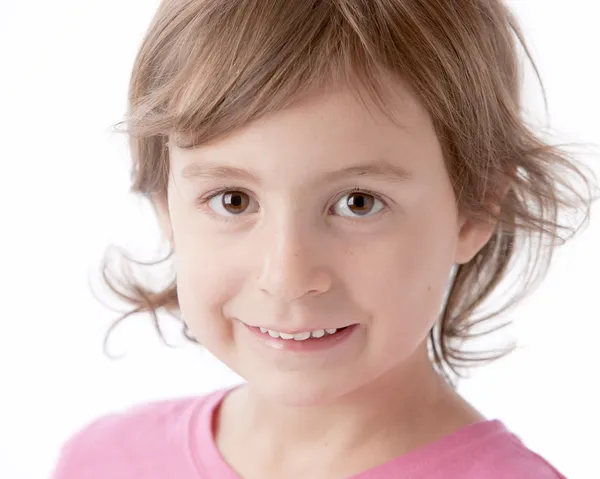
(378, 197)
(203, 201)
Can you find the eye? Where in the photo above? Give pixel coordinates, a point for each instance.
(230, 203)
(357, 203)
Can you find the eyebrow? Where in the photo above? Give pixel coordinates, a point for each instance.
(380, 169)
(212, 171)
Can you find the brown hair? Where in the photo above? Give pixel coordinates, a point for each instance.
(207, 67)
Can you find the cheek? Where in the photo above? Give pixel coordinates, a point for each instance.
(199, 299)
(403, 280)
(204, 284)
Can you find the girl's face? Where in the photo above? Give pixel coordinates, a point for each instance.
(326, 215)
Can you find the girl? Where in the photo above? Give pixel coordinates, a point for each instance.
(343, 184)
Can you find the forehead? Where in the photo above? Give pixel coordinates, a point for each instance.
(330, 131)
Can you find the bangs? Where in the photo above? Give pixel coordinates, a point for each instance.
(238, 61)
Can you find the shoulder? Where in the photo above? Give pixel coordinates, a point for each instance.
(507, 457)
(155, 430)
(141, 421)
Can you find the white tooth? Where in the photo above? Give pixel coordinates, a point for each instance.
(263, 330)
(331, 331)
(319, 333)
(286, 336)
(301, 336)
(273, 334)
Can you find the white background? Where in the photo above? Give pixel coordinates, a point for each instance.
(64, 197)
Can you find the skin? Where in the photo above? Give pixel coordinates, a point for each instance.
(295, 256)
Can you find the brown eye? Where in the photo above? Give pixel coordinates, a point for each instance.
(360, 203)
(230, 203)
(235, 202)
(357, 203)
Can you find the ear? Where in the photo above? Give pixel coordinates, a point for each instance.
(161, 208)
(473, 235)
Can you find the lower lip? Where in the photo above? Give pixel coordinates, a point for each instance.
(326, 342)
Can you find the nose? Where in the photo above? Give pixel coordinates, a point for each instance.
(290, 267)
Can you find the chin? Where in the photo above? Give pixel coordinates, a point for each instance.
(300, 389)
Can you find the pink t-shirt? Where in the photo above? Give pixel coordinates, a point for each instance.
(173, 439)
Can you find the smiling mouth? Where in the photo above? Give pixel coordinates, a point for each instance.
(322, 341)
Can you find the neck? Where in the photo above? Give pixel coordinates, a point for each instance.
(401, 410)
